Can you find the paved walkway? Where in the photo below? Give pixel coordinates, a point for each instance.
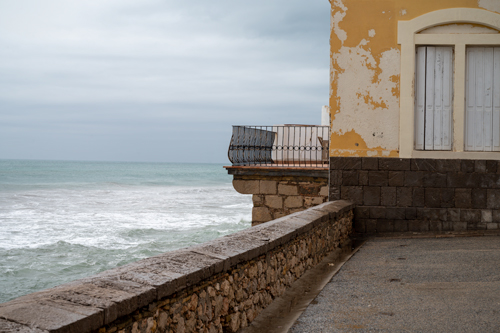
(412, 285)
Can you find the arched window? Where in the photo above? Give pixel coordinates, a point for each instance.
(450, 84)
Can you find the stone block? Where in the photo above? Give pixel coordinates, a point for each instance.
(492, 226)
(414, 178)
(335, 177)
(261, 214)
(436, 225)
(371, 196)
(294, 202)
(246, 186)
(323, 191)
(478, 198)
(423, 164)
(361, 212)
(493, 199)
(395, 213)
(313, 201)
(446, 166)
(447, 226)
(476, 226)
(404, 196)
(388, 196)
(467, 166)
(480, 166)
(491, 166)
(496, 215)
(395, 164)
(418, 197)
(334, 193)
(286, 189)
(459, 226)
(434, 179)
(359, 226)
(345, 163)
(410, 213)
(454, 215)
(385, 225)
(400, 225)
(369, 163)
(486, 215)
(350, 177)
(309, 189)
(463, 198)
(470, 215)
(352, 193)
(433, 197)
(363, 177)
(258, 200)
(274, 201)
(377, 212)
(432, 214)
(447, 197)
(418, 226)
(268, 187)
(378, 178)
(278, 214)
(396, 178)
(371, 226)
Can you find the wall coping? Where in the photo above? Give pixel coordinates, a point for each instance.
(90, 303)
(269, 171)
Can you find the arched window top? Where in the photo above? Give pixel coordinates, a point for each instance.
(447, 16)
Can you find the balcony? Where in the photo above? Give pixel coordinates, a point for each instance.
(280, 146)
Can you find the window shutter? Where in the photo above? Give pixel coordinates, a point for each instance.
(433, 98)
(420, 97)
(483, 99)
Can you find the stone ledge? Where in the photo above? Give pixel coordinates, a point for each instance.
(88, 304)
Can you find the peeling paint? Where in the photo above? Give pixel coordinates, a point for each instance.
(369, 84)
(365, 69)
(337, 18)
(493, 5)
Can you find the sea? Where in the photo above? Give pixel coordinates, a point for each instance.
(65, 220)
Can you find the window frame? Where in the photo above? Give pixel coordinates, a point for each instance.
(409, 38)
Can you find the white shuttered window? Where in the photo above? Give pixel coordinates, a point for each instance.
(433, 98)
(482, 112)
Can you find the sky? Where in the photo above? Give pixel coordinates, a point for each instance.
(155, 80)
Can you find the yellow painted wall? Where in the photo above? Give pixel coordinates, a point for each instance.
(365, 71)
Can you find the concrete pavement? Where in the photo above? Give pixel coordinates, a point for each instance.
(412, 285)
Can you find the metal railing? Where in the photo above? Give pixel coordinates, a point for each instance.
(280, 145)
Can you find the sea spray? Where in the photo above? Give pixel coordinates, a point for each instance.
(61, 221)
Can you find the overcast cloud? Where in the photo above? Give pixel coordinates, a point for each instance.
(155, 80)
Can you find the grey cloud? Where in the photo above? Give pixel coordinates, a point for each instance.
(116, 68)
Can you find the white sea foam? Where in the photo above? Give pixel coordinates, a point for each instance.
(53, 231)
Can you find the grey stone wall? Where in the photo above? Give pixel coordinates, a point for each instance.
(418, 194)
(278, 196)
(218, 286)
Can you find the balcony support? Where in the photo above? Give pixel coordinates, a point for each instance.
(278, 192)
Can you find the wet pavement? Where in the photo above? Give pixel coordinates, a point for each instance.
(412, 285)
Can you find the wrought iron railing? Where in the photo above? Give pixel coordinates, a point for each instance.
(280, 145)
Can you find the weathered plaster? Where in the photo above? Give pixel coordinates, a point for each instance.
(493, 5)
(366, 68)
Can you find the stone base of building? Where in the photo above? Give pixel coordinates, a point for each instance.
(401, 195)
(278, 192)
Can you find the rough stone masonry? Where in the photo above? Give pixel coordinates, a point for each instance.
(218, 286)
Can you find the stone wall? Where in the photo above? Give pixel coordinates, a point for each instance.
(218, 286)
(393, 194)
(282, 192)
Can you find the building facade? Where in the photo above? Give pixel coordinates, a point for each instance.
(415, 113)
